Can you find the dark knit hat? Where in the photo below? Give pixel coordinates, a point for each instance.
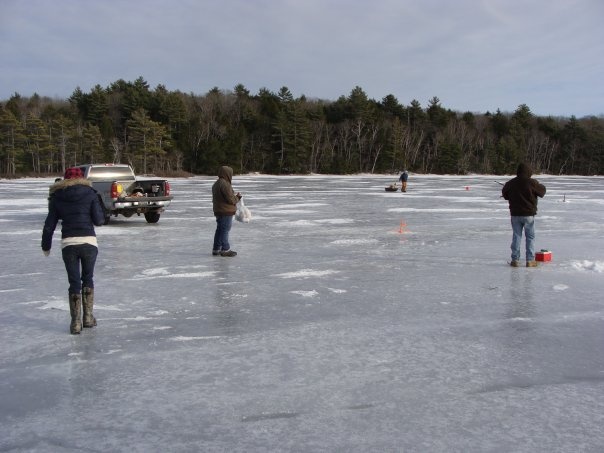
(73, 173)
(524, 170)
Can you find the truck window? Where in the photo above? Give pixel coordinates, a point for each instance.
(111, 172)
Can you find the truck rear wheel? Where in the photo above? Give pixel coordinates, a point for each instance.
(152, 217)
(106, 212)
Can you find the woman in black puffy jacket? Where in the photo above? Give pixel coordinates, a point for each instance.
(77, 205)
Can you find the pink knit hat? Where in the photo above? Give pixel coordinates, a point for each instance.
(73, 173)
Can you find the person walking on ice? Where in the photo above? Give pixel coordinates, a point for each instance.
(403, 179)
(74, 202)
(521, 193)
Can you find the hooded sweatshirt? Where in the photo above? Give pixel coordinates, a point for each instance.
(77, 204)
(224, 200)
(522, 192)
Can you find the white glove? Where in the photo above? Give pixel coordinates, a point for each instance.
(46, 252)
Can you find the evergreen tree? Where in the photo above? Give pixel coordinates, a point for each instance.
(12, 138)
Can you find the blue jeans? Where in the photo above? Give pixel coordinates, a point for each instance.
(74, 256)
(518, 224)
(221, 237)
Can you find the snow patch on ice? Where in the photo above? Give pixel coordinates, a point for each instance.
(297, 205)
(306, 273)
(27, 274)
(585, 265)
(159, 312)
(21, 201)
(439, 210)
(182, 338)
(191, 275)
(580, 316)
(156, 271)
(107, 307)
(162, 327)
(189, 266)
(337, 291)
(289, 211)
(311, 293)
(300, 223)
(20, 232)
(118, 231)
(170, 275)
(481, 218)
(335, 221)
(318, 222)
(52, 304)
(353, 241)
(560, 287)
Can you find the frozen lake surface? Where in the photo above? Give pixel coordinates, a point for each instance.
(352, 320)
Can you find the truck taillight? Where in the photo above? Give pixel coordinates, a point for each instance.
(116, 190)
(167, 189)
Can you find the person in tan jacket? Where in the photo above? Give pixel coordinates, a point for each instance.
(224, 204)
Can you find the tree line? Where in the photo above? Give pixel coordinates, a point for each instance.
(170, 132)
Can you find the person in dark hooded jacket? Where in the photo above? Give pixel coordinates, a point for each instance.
(521, 193)
(224, 204)
(74, 202)
(403, 179)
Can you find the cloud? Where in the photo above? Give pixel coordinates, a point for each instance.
(473, 55)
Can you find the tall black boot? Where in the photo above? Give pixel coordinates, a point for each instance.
(88, 303)
(75, 308)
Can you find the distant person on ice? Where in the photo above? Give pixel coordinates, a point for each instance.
(521, 193)
(224, 203)
(74, 202)
(403, 179)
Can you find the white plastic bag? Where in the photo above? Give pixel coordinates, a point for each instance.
(243, 214)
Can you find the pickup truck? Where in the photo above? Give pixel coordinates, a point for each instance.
(121, 192)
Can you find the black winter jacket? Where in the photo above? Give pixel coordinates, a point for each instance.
(522, 192)
(77, 204)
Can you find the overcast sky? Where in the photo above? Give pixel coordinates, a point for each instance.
(474, 55)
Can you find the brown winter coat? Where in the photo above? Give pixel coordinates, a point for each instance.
(224, 200)
(522, 192)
